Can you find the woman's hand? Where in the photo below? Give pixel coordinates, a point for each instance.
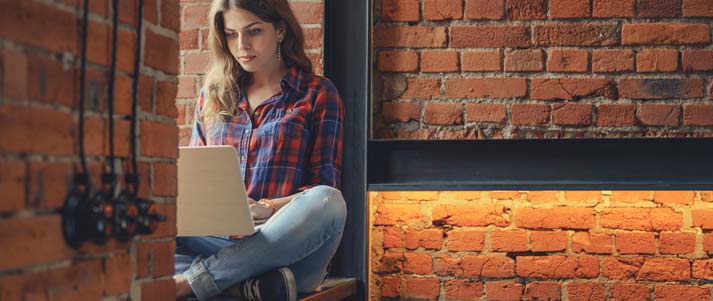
(259, 210)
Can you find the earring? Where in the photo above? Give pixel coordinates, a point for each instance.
(279, 51)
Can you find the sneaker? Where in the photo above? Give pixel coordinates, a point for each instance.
(277, 285)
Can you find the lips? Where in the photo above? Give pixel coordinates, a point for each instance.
(246, 58)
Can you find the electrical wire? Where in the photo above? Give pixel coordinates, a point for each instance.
(133, 177)
(83, 177)
(110, 97)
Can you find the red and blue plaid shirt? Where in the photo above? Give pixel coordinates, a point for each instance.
(292, 142)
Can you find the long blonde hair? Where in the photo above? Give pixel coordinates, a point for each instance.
(226, 79)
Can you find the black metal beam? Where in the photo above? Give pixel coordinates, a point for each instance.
(563, 164)
(346, 63)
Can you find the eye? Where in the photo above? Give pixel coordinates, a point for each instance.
(254, 31)
(231, 35)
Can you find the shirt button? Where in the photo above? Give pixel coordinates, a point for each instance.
(289, 111)
(257, 114)
(247, 132)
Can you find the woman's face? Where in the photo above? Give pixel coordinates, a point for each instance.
(252, 41)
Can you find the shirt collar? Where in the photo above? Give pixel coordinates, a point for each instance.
(292, 78)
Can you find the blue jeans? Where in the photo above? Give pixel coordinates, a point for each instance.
(302, 235)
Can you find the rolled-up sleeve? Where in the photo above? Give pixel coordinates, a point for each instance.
(197, 134)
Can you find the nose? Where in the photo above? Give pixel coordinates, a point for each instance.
(244, 42)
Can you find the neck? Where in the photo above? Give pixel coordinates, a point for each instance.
(269, 76)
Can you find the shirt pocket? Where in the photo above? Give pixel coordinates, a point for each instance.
(283, 142)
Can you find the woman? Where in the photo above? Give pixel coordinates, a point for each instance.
(286, 123)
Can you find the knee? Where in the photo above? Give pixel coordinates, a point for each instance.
(331, 201)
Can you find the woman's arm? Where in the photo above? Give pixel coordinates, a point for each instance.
(263, 209)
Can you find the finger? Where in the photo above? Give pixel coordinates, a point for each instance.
(251, 201)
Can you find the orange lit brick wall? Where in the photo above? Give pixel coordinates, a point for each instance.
(39, 88)
(195, 58)
(502, 69)
(541, 245)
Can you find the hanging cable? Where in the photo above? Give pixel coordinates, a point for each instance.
(132, 177)
(110, 179)
(83, 177)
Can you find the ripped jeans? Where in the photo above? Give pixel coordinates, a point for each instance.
(303, 235)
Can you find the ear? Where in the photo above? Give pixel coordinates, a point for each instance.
(281, 31)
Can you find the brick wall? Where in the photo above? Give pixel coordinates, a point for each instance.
(39, 64)
(492, 69)
(195, 57)
(541, 245)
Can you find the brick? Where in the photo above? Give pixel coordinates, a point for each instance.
(646, 219)
(566, 9)
(622, 268)
(35, 130)
(443, 113)
(171, 15)
(161, 53)
(117, 277)
(399, 61)
(659, 9)
(612, 8)
(681, 292)
(659, 114)
(313, 38)
(39, 25)
(186, 87)
(703, 218)
(504, 195)
(665, 34)
(196, 63)
(543, 196)
(400, 111)
(582, 196)
(465, 240)
(97, 141)
(665, 269)
(488, 266)
(435, 10)
(572, 114)
(576, 35)
(422, 88)
(508, 241)
(481, 61)
(45, 79)
(166, 99)
(391, 262)
(526, 9)
(529, 114)
(162, 262)
(616, 115)
(12, 185)
(195, 16)
(524, 60)
(542, 291)
(418, 263)
(421, 195)
(484, 9)
(555, 218)
(674, 197)
(391, 286)
(612, 60)
(168, 227)
(464, 289)
(400, 10)
(444, 264)
(309, 12)
(490, 36)
(486, 87)
(427, 238)
(697, 8)
(422, 288)
(698, 114)
(485, 112)
(159, 139)
(554, 267)
(636, 243)
(460, 195)
(503, 290)
(143, 256)
(657, 60)
(393, 237)
(470, 216)
(548, 241)
(391, 214)
(592, 243)
(586, 291)
(561, 60)
(571, 88)
(697, 60)
(21, 236)
(47, 182)
(631, 196)
(410, 36)
(629, 292)
(439, 61)
(158, 290)
(703, 269)
(677, 243)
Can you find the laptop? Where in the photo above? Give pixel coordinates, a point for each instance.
(212, 200)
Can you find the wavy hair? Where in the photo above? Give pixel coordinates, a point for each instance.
(226, 79)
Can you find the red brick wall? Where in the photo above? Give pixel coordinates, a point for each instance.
(541, 245)
(195, 58)
(501, 69)
(39, 64)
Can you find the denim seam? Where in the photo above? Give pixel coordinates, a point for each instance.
(201, 281)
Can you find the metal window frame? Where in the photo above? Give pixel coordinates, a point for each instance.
(540, 164)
